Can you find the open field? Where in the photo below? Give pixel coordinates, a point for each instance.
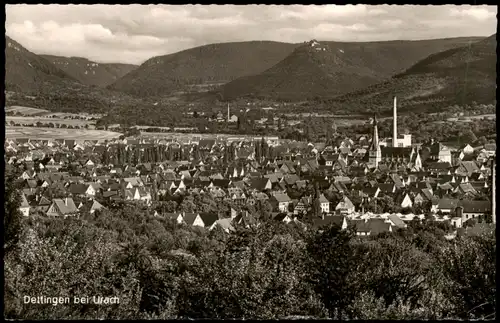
(470, 118)
(56, 133)
(34, 120)
(32, 112)
(149, 127)
(26, 111)
(199, 136)
(491, 116)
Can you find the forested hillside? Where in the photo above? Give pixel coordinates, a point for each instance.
(209, 64)
(29, 73)
(89, 72)
(323, 69)
(457, 76)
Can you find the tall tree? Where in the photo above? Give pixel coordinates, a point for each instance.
(12, 214)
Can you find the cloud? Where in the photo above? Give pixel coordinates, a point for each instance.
(478, 13)
(135, 33)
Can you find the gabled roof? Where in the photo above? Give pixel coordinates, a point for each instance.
(396, 220)
(225, 224)
(360, 225)
(208, 218)
(223, 183)
(467, 188)
(378, 226)
(322, 199)
(447, 203)
(346, 203)
(470, 166)
(44, 201)
(107, 194)
(66, 206)
(77, 188)
(475, 206)
(282, 197)
(258, 183)
(427, 193)
(189, 218)
(24, 201)
(329, 220)
(396, 151)
(438, 165)
(96, 206)
(386, 187)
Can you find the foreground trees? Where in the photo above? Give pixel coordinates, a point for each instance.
(159, 269)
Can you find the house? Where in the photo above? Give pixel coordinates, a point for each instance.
(280, 202)
(406, 202)
(300, 207)
(177, 217)
(371, 226)
(192, 219)
(95, 207)
(132, 182)
(142, 194)
(396, 221)
(324, 203)
(207, 220)
(445, 205)
(467, 149)
(490, 149)
(92, 189)
(24, 207)
(224, 224)
(338, 220)
(473, 209)
(77, 189)
(62, 207)
(283, 217)
(456, 222)
(43, 205)
(345, 206)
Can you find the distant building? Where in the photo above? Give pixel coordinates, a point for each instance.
(374, 152)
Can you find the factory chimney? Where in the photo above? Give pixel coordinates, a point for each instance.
(493, 191)
(228, 116)
(395, 124)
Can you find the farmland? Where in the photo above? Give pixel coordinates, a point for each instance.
(26, 111)
(186, 137)
(471, 118)
(42, 113)
(56, 133)
(56, 121)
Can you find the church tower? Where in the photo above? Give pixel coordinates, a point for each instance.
(374, 152)
(395, 124)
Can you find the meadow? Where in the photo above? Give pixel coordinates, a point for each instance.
(32, 112)
(33, 120)
(57, 133)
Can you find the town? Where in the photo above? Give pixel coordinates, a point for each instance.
(269, 162)
(374, 185)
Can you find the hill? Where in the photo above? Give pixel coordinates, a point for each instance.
(328, 69)
(89, 72)
(29, 73)
(456, 76)
(33, 81)
(203, 66)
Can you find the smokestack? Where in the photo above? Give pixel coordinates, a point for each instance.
(228, 117)
(493, 191)
(395, 124)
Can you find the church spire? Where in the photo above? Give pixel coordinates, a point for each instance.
(374, 153)
(375, 143)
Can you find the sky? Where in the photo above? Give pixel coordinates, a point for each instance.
(134, 33)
